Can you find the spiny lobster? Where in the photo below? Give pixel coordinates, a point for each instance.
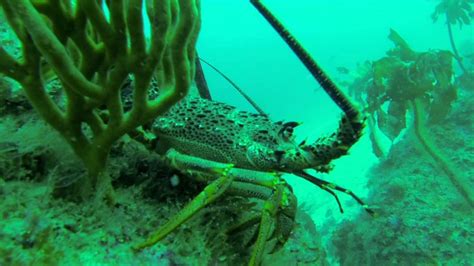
(242, 153)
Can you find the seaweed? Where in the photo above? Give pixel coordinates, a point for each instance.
(455, 12)
(420, 83)
(424, 220)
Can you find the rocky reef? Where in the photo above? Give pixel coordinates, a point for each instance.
(422, 219)
(46, 222)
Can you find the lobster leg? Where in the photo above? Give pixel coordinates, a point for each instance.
(210, 193)
(267, 221)
(284, 218)
(279, 200)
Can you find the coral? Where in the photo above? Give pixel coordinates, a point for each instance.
(91, 55)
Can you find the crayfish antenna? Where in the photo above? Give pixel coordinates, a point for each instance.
(326, 149)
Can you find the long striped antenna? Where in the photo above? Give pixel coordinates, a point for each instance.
(316, 71)
(236, 87)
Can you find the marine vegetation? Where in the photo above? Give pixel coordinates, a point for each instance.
(455, 12)
(407, 81)
(91, 55)
(92, 74)
(424, 220)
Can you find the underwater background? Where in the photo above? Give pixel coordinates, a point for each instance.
(347, 34)
(417, 175)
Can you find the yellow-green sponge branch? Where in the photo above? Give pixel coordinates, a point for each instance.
(52, 50)
(103, 44)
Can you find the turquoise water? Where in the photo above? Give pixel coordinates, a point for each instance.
(336, 33)
(413, 165)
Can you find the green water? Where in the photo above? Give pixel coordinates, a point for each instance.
(413, 164)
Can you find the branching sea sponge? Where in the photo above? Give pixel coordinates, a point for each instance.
(92, 47)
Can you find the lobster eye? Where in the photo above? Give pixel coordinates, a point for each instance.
(287, 129)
